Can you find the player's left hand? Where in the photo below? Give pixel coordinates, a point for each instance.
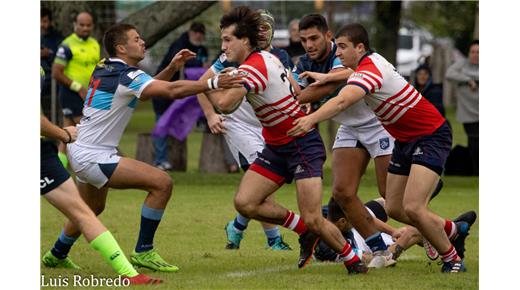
(182, 57)
(302, 126)
(319, 78)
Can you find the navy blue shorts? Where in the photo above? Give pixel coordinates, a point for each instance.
(52, 172)
(430, 151)
(301, 158)
(71, 103)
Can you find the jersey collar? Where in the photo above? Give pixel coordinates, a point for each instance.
(364, 56)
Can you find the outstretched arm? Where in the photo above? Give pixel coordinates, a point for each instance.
(314, 93)
(177, 62)
(347, 96)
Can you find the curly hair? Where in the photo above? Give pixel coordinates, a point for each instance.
(247, 23)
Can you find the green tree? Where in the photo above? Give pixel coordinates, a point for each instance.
(454, 19)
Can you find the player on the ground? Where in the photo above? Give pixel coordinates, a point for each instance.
(115, 87)
(359, 138)
(423, 140)
(398, 240)
(243, 134)
(59, 190)
(268, 89)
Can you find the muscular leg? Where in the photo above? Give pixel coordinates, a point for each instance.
(67, 200)
(420, 185)
(381, 167)
(348, 166)
(132, 173)
(251, 199)
(309, 192)
(395, 187)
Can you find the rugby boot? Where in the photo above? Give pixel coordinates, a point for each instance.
(50, 261)
(233, 237)
(151, 260)
(308, 242)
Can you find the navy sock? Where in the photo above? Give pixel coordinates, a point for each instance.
(240, 223)
(376, 243)
(150, 219)
(62, 246)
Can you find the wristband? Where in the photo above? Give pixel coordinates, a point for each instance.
(213, 83)
(75, 86)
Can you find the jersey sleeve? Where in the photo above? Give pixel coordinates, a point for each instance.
(367, 78)
(63, 55)
(136, 81)
(336, 63)
(255, 74)
(218, 65)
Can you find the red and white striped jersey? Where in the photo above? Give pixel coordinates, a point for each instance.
(402, 110)
(271, 96)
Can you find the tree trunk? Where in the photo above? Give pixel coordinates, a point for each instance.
(212, 154)
(158, 19)
(153, 21)
(177, 151)
(388, 16)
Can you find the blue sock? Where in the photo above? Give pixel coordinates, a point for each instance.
(271, 235)
(150, 219)
(62, 246)
(376, 243)
(240, 223)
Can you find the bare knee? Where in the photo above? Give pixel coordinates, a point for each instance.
(342, 195)
(414, 211)
(164, 186)
(244, 206)
(313, 223)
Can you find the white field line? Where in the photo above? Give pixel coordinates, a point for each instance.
(280, 268)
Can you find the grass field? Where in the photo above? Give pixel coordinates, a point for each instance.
(191, 234)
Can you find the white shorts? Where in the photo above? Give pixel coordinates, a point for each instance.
(372, 136)
(362, 245)
(244, 140)
(90, 164)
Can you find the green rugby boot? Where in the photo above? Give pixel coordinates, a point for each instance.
(151, 260)
(50, 261)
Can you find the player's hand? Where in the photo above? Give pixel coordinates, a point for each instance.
(302, 126)
(319, 78)
(398, 233)
(216, 124)
(181, 58)
(225, 81)
(73, 131)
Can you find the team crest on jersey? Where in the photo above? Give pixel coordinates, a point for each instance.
(384, 143)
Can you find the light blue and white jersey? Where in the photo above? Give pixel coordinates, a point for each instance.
(111, 99)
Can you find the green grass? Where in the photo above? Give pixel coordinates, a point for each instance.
(191, 234)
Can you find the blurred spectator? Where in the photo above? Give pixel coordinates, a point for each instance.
(432, 92)
(465, 74)
(75, 61)
(295, 48)
(49, 41)
(192, 40)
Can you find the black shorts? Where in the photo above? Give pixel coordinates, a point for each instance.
(52, 172)
(71, 103)
(430, 151)
(301, 158)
